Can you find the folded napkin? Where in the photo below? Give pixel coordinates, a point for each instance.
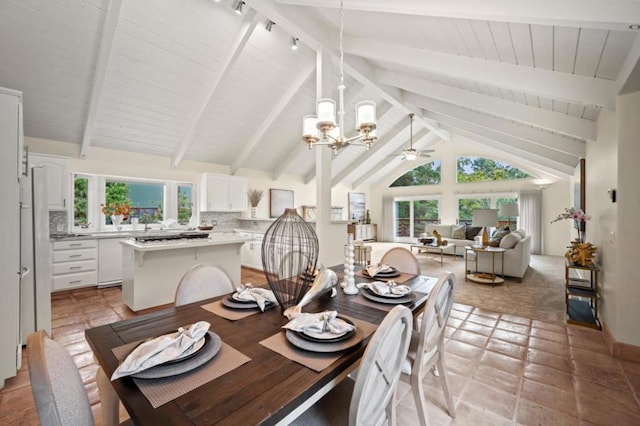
(322, 322)
(259, 295)
(383, 288)
(373, 270)
(161, 349)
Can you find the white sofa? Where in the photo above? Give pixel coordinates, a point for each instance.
(516, 259)
(445, 232)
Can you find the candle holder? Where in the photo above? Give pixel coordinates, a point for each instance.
(349, 283)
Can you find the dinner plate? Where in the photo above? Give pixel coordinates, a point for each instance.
(375, 298)
(233, 304)
(212, 345)
(326, 347)
(315, 336)
(387, 296)
(388, 274)
(235, 298)
(197, 347)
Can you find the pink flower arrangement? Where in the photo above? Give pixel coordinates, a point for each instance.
(579, 218)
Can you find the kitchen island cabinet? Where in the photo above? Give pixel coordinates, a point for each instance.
(151, 271)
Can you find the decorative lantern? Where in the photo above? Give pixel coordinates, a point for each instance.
(289, 257)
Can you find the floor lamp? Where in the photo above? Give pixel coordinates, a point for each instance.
(510, 210)
(485, 218)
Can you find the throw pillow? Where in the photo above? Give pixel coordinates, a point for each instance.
(495, 231)
(458, 232)
(472, 231)
(498, 236)
(509, 241)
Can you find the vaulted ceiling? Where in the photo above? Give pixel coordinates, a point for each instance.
(192, 79)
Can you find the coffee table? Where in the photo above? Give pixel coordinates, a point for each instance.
(432, 248)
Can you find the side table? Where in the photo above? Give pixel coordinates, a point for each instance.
(483, 277)
(581, 294)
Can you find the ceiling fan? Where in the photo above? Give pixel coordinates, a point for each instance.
(410, 153)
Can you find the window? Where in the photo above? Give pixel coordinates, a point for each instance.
(185, 203)
(145, 198)
(412, 216)
(478, 169)
(81, 201)
(466, 206)
(426, 174)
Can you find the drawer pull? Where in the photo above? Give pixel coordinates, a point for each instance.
(75, 281)
(76, 255)
(75, 245)
(75, 267)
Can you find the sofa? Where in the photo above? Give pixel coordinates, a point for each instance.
(449, 234)
(516, 257)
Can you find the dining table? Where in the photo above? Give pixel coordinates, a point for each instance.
(263, 386)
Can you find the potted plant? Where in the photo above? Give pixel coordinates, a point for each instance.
(255, 195)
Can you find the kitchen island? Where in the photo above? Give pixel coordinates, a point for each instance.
(152, 270)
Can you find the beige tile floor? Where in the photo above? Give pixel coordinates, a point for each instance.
(504, 369)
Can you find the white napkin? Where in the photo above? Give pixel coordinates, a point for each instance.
(383, 288)
(161, 349)
(322, 322)
(373, 270)
(259, 295)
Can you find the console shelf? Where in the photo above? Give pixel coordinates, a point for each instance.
(581, 294)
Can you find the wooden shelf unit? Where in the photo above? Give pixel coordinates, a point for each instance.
(581, 295)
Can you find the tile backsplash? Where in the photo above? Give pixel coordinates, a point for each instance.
(58, 221)
(225, 221)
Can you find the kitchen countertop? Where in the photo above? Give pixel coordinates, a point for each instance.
(213, 240)
(124, 234)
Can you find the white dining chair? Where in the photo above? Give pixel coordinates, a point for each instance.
(403, 260)
(57, 387)
(202, 282)
(427, 347)
(371, 396)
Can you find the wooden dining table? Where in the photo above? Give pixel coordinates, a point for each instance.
(268, 389)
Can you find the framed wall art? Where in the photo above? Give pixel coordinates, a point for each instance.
(279, 200)
(357, 206)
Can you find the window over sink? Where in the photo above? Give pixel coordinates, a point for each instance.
(150, 201)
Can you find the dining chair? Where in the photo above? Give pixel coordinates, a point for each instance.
(371, 396)
(427, 347)
(402, 259)
(202, 282)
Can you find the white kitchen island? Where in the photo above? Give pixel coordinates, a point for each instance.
(152, 270)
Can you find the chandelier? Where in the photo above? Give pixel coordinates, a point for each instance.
(322, 129)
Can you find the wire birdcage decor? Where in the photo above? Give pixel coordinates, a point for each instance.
(289, 256)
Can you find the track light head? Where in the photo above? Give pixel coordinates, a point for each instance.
(294, 43)
(238, 7)
(269, 24)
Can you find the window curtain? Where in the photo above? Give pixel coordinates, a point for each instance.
(387, 232)
(531, 217)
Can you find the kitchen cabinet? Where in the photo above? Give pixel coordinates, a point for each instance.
(364, 232)
(74, 264)
(109, 261)
(58, 179)
(223, 193)
(251, 252)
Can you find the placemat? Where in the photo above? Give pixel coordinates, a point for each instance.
(402, 278)
(313, 360)
(380, 306)
(220, 310)
(161, 391)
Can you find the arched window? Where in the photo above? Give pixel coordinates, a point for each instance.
(479, 169)
(425, 174)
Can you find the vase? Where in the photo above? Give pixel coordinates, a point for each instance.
(254, 212)
(116, 219)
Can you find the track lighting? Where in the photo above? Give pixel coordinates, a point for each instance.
(238, 7)
(269, 24)
(294, 43)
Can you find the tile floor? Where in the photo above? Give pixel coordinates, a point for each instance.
(504, 369)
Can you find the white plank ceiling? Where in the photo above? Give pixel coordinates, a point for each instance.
(192, 79)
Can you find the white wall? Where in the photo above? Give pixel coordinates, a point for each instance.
(554, 198)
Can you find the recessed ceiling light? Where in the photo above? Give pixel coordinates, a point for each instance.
(634, 27)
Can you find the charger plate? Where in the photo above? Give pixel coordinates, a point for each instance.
(395, 301)
(212, 345)
(314, 336)
(386, 296)
(229, 302)
(324, 347)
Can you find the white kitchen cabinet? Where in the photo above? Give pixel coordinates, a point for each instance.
(74, 264)
(109, 261)
(223, 193)
(251, 252)
(364, 232)
(58, 179)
